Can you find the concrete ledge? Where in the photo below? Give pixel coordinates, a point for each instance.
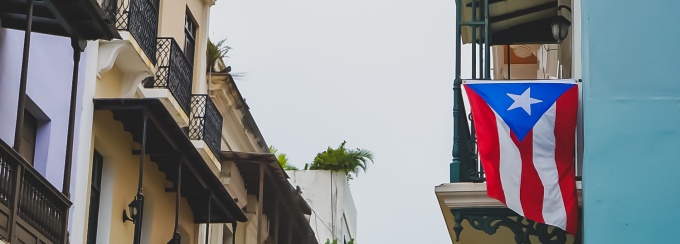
(168, 101)
(208, 156)
(468, 195)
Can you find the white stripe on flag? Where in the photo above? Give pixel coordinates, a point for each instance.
(510, 167)
(554, 212)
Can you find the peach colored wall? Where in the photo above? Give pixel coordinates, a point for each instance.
(119, 186)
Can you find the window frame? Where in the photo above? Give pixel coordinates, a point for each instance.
(95, 197)
(31, 124)
(190, 35)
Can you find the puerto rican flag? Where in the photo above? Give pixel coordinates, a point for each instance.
(525, 134)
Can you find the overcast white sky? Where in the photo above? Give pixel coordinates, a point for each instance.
(376, 73)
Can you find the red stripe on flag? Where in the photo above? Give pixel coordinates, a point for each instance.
(565, 129)
(488, 144)
(531, 188)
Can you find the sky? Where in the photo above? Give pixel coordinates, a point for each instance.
(376, 73)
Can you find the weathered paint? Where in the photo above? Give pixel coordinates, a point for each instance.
(631, 120)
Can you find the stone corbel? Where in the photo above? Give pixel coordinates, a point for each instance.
(131, 82)
(108, 52)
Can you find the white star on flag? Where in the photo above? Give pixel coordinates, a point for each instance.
(523, 101)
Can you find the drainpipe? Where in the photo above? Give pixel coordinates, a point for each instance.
(454, 167)
(18, 131)
(233, 230)
(207, 225)
(139, 198)
(78, 47)
(176, 238)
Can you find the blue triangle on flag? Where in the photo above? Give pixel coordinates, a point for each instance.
(520, 105)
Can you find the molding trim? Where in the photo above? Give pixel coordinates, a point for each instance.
(108, 52)
(473, 195)
(465, 195)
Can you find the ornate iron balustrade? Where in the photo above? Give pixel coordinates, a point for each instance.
(174, 72)
(206, 122)
(490, 220)
(29, 200)
(140, 18)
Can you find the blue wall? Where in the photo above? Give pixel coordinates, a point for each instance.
(631, 85)
(48, 87)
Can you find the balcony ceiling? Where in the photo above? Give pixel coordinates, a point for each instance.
(167, 144)
(80, 18)
(276, 185)
(514, 21)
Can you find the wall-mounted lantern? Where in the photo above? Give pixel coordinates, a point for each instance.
(560, 25)
(133, 207)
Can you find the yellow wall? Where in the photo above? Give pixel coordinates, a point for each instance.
(119, 186)
(110, 84)
(171, 19)
(171, 24)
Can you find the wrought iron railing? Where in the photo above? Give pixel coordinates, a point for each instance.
(174, 72)
(110, 8)
(140, 18)
(206, 122)
(35, 200)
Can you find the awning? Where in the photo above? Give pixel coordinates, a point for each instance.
(513, 21)
(167, 145)
(80, 18)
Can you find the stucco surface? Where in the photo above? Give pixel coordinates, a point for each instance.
(631, 117)
(48, 87)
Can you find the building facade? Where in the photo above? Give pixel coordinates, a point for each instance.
(40, 85)
(155, 145)
(334, 215)
(166, 125)
(627, 119)
(509, 40)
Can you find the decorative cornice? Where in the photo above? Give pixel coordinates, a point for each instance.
(108, 52)
(472, 195)
(124, 54)
(464, 195)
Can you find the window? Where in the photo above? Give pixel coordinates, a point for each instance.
(95, 192)
(30, 130)
(189, 36)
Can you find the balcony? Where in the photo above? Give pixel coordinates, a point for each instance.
(174, 72)
(205, 123)
(139, 18)
(31, 209)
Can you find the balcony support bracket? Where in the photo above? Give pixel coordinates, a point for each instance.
(490, 220)
(108, 53)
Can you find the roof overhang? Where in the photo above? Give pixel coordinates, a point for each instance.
(83, 19)
(276, 185)
(248, 120)
(167, 146)
(513, 21)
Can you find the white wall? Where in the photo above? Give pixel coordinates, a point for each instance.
(334, 215)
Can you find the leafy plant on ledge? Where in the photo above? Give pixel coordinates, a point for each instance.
(214, 52)
(282, 158)
(350, 161)
(328, 241)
